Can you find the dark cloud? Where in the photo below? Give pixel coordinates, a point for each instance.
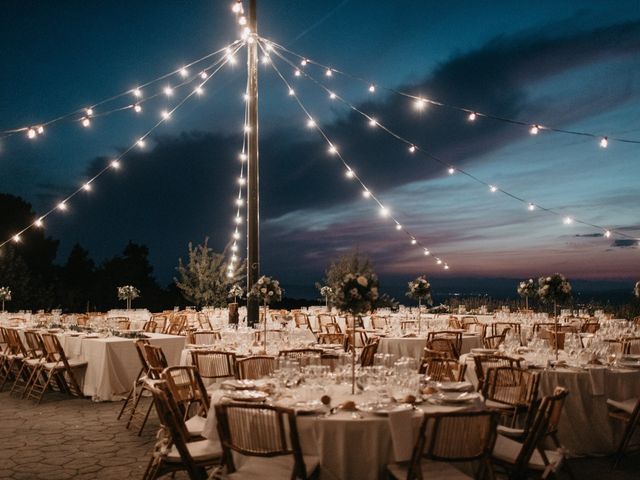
(589, 235)
(625, 243)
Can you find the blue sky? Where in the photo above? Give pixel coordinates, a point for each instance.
(573, 65)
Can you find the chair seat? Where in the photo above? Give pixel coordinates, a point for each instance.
(495, 405)
(626, 405)
(507, 450)
(430, 470)
(34, 361)
(195, 425)
(200, 451)
(511, 432)
(272, 468)
(60, 366)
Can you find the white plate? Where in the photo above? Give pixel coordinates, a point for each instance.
(454, 386)
(483, 351)
(383, 408)
(238, 384)
(309, 406)
(456, 397)
(248, 395)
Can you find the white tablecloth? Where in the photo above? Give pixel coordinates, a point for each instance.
(113, 362)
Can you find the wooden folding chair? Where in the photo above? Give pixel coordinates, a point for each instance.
(203, 337)
(174, 449)
(448, 438)
(57, 367)
(267, 436)
(510, 391)
(214, 364)
(484, 362)
(627, 411)
(188, 391)
(252, 368)
(35, 355)
(12, 357)
(434, 342)
(120, 323)
(368, 352)
(443, 369)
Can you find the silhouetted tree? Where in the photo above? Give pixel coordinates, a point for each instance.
(76, 279)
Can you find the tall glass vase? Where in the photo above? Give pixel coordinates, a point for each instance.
(419, 315)
(264, 331)
(128, 303)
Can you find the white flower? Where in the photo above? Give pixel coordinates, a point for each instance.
(271, 294)
(263, 290)
(362, 281)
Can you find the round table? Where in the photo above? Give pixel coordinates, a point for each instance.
(413, 346)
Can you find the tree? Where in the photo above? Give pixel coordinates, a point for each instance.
(205, 279)
(348, 263)
(76, 279)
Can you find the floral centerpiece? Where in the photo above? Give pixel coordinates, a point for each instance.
(555, 288)
(5, 295)
(636, 289)
(128, 293)
(267, 290)
(235, 292)
(356, 294)
(526, 289)
(420, 289)
(327, 293)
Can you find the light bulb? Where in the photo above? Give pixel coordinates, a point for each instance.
(373, 122)
(243, 157)
(236, 235)
(141, 143)
(247, 129)
(604, 143)
(446, 267)
(398, 226)
(86, 122)
(607, 233)
(420, 104)
(165, 114)
(427, 252)
(269, 47)
(328, 72)
(89, 111)
(40, 129)
(168, 91)
(531, 207)
(86, 187)
(303, 62)
(534, 130)
(234, 257)
(62, 206)
(265, 59)
(242, 20)
(239, 202)
(372, 88)
(297, 73)
(137, 92)
(204, 75)
(115, 164)
(384, 211)
(413, 241)
(242, 181)
(567, 220)
(349, 173)
(137, 108)
(238, 219)
(493, 188)
(39, 223)
(471, 117)
(311, 123)
(291, 92)
(332, 95)
(245, 97)
(333, 150)
(451, 170)
(16, 238)
(234, 247)
(412, 148)
(199, 90)
(438, 261)
(236, 7)
(31, 133)
(184, 72)
(366, 193)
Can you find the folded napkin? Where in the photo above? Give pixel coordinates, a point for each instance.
(402, 438)
(596, 375)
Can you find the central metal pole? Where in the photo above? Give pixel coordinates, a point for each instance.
(253, 190)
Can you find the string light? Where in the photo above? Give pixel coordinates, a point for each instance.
(137, 92)
(433, 157)
(604, 142)
(137, 108)
(62, 206)
(86, 187)
(184, 73)
(165, 114)
(203, 75)
(39, 223)
(168, 91)
(16, 238)
(373, 122)
(493, 188)
(534, 129)
(349, 173)
(472, 117)
(607, 233)
(31, 133)
(311, 123)
(303, 62)
(383, 210)
(412, 148)
(237, 7)
(141, 143)
(115, 165)
(236, 235)
(531, 207)
(242, 181)
(567, 220)
(243, 157)
(427, 252)
(89, 111)
(451, 170)
(85, 122)
(291, 91)
(242, 20)
(40, 130)
(198, 90)
(420, 104)
(265, 59)
(328, 72)
(332, 96)
(372, 88)
(297, 73)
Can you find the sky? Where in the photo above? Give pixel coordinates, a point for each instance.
(570, 65)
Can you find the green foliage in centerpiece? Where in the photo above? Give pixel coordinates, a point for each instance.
(235, 292)
(527, 288)
(357, 292)
(128, 292)
(420, 289)
(5, 294)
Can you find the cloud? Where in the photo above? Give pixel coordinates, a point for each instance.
(625, 243)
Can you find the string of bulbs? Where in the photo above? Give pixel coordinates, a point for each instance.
(451, 169)
(350, 173)
(472, 115)
(85, 115)
(115, 164)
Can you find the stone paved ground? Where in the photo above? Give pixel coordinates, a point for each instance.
(75, 438)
